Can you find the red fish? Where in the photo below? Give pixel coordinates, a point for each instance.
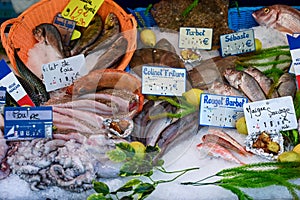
(216, 150)
(225, 140)
(281, 17)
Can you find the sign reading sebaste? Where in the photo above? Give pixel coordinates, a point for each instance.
(237, 43)
(220, 110)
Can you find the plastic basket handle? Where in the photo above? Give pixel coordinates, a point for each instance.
(4, 38)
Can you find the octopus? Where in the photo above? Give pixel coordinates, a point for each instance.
(70, 161)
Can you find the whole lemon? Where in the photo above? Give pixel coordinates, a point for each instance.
(241, 126)
(258, 44)
(139, 149)
(289, 156)
(297, 148)
(148, 37)
(193, 96)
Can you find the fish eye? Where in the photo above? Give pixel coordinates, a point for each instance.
(266, 10)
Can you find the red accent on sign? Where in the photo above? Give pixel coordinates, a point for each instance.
(25, 101)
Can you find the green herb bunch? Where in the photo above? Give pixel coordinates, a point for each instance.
(136, 164)
(256, 175)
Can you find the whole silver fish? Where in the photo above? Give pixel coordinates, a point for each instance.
(221, 88)
(264, 82)
(246, 83)
(281, 17)
(286, 85)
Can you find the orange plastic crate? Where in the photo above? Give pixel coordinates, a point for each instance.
(20, 34)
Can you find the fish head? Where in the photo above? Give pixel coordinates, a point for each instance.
(39, 34)
(267, 16)
(110, 21)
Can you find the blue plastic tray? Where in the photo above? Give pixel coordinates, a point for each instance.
(143, 19)
(241, 18)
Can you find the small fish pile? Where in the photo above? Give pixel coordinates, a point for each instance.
(281, 17)
(253, 84)
(219, 144)
(102, 43)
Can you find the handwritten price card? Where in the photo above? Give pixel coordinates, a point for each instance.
(82, 11)
(64, 72)
(195, 38)
(164, 81)
(272, 115)
(220, 110)
(237, 43)
(24, 123)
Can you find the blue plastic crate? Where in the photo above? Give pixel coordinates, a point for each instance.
(143, 18)
(241, 18)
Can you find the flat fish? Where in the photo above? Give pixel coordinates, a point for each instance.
(281, 17)
(217, 151)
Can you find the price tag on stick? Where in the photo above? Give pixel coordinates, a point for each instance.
(82, 11)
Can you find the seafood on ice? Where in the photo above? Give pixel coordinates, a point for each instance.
(219, 144)
(281, 17)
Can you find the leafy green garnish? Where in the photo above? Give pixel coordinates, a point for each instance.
(257, 175)
(134, 166)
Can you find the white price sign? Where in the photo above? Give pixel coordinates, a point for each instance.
(195, 38)
(220, 110)
(64, 72)
(272, 115)
(163, 81)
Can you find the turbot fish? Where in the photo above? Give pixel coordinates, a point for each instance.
(281, 17)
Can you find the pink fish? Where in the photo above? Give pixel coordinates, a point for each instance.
(225, 140)
(281, 17)
(216, 150)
